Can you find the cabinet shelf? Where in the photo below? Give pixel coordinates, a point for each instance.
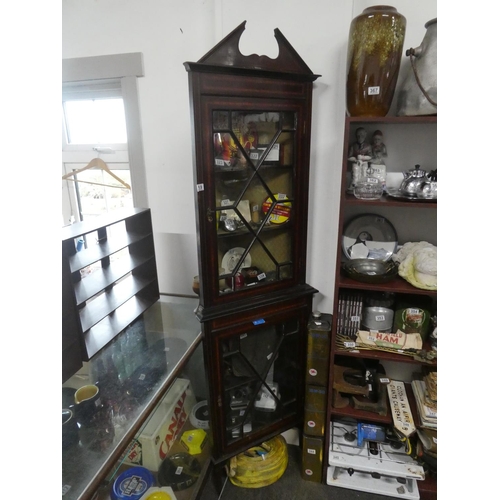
(110, 326)
(104, 249)
(243, 232)
(107, 302)
(102, 278)
(397, 120)
(382, 355)
(267, 165)
(387, 201)
(368, 416)
(398, 285)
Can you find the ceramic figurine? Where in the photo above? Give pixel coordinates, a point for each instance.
(360, 147)
(379, 153)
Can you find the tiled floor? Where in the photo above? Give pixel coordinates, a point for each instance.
(290, 486)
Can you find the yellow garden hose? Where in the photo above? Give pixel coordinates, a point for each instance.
(259, 466)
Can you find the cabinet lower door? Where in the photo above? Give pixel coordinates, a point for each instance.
(260, 383)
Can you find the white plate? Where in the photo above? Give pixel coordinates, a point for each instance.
(232, 257)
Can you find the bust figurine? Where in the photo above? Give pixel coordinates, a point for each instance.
(379, 153)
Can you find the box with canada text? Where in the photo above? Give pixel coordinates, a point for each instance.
(164, 426)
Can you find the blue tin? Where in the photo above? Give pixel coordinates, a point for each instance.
(132, 484)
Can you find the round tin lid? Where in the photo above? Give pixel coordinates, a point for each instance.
(132, 484)
(199, 415)
(281, 211)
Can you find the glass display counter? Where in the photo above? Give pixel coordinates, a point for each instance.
(127, 381)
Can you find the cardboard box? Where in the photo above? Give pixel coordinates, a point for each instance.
(163, 428)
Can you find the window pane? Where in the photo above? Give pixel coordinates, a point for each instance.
(98, 121)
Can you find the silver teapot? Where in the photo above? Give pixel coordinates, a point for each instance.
(429, 188)
(417, 183)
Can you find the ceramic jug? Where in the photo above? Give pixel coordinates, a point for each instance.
(418, 94)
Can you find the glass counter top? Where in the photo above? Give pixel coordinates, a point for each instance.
(132, 374)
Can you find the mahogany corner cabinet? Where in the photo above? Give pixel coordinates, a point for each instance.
(251, 124)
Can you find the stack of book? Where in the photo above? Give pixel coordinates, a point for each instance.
(425, 392)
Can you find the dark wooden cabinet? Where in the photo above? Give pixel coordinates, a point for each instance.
(109, 278)
(251, 122)
(413, 221)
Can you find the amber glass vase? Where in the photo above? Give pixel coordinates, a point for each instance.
(375, 47)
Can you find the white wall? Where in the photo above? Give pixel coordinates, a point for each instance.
(169, 33)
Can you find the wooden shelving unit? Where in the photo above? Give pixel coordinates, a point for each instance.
(420, 217)
(107, 283)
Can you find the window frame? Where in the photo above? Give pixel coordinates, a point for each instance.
(125, 69)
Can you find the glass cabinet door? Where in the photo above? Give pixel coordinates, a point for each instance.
(260, 374)
(253, 167)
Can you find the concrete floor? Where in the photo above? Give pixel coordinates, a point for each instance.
(290, 486)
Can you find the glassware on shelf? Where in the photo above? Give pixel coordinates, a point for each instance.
(369, 187)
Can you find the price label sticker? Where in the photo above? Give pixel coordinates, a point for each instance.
(200, 187)
(311, 451)
(225, 202)
(354, 319)
(373, 90)
(380, 317)
(384, 380)
(179, 470)
(350, 345)
(243, 335)
(261, 276)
